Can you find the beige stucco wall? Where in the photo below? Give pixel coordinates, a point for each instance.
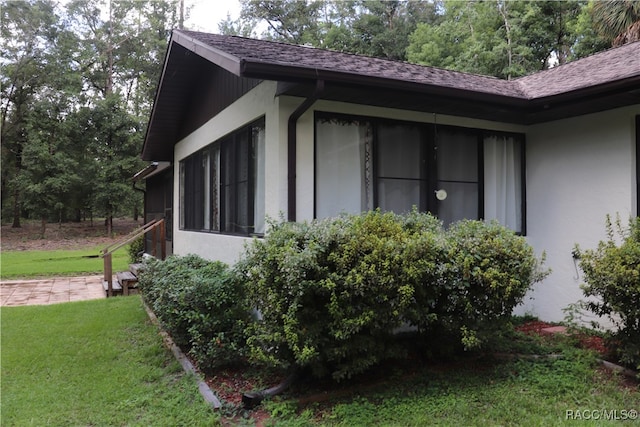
(579, 171)
(260, 101)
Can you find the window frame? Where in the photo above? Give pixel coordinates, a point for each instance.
(222, 191)
(428, 138)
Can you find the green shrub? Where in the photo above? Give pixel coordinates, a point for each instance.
(489, 271)
(331, 292)
(201, 304)
(136, 249)
(612, 275)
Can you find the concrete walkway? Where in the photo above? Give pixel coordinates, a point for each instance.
(50, 291)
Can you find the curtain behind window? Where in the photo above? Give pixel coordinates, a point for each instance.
(342, 172)
(503, 181)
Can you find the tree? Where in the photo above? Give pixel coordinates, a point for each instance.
(50, 172)
(500, 38)
(120, 58)
(382, 28)
(36, 56)
(292, 21)
(78, 82)
(367, 27)
(617, 20)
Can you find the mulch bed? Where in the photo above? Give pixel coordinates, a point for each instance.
(587, 341)
(229, 384)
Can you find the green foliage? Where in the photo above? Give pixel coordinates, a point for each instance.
(504, 39)
(374, 28)
(135, 250)
(77, 84)
(332, 292)
(490, 269)
(612, 275)
(201, 305)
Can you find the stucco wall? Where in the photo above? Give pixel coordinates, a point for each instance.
(578, 171)
(260, 101)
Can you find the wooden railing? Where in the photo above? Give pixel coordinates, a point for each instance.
(158, 228)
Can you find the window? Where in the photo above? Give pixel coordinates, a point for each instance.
(222, 185)
(364, 163)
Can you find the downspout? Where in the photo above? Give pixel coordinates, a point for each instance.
(292, 142)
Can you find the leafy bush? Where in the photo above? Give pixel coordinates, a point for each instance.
(136, 249)
(332, 292)
(612, 275)
(201, 304)
(489, 271)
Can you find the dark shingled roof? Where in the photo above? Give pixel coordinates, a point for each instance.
(302, 57)
(601, 68)
(603, 81)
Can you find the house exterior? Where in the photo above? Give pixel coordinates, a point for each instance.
(254, 129)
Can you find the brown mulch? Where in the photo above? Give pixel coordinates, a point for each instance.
(586, 341)
(67, 236)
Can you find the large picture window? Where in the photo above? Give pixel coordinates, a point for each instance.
(364, 163)
(222, 185)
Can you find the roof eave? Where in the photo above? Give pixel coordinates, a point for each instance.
(276, 72)
(218, 57)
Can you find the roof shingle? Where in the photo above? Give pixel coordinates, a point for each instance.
(601, 68)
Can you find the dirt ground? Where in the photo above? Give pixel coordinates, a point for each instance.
(70, 235)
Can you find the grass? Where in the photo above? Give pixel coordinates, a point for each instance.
(96, 363)
(32, 264)
(477, 392)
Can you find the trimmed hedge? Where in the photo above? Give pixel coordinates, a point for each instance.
(612, 275)
(490, 269)
(332, 292)
(201, 304)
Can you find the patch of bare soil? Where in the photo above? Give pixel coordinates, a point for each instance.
(69, 235)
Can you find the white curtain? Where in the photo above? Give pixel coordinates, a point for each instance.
(503, 181)
(341, 176)
(259, 189)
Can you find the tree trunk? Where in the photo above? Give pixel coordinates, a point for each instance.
(16, 210)
(43, 226)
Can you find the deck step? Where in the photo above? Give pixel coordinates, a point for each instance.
(128, 281)
(115, 286)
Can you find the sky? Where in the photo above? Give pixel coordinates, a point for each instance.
(206, 14)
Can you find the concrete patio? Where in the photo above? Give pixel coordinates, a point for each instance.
(50, 291)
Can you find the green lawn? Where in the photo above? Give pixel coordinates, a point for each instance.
(98, 363)
(570, 390)
(31, 264)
